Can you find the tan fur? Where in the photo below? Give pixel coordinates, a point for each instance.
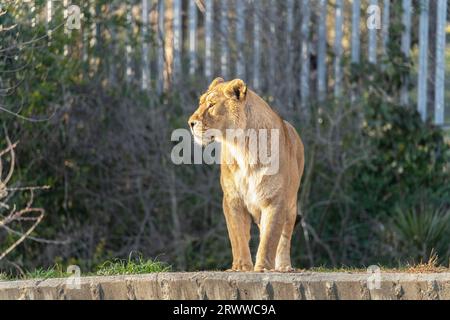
(249, 194)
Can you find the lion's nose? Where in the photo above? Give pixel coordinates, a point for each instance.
(193, 123)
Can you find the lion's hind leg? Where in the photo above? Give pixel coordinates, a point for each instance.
(283, 257)
(271, 228)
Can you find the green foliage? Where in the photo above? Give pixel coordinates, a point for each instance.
(404, 184)
(408, 157)
(421, 231)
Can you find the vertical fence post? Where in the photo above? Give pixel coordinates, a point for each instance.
(33, 13)
(177, 39)
(372, 47)
(49, 21)
(304, 77)
(145, 48)
(356, 41)
(85, 32)
(273, 44)
(225, 54)
(356, 27)
(289, 51)
(240, 37)
(209, 11)
(386, 24)
(93, 26)
(112, 46)
(256, 47)
(423, 59)
(339, 17)
(94, 36)
(322, 51)
(128, 47)
(431, 60)
(192, 37)
(441, 23)
(406, 44)
(161, 51)
(66, 30)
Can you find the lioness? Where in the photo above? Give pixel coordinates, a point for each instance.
(248, 190)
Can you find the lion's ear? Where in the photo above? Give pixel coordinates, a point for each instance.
(216, 82)
(236, 89)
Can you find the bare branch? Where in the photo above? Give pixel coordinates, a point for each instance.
(27, 214)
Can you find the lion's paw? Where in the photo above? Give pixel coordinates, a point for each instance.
(285, 269)
(240, 268)
(262, 269)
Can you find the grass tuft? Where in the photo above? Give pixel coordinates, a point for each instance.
(41, 273)
(341, 269)
(431, 266)
(130, 266)
(137, 265)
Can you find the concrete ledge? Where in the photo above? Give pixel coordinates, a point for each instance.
(236, 286)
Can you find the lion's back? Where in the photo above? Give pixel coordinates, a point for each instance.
(297, 146)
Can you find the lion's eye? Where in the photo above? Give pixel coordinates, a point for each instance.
(210, 105)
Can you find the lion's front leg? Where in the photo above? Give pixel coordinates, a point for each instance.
(238, 224)
(272, 221)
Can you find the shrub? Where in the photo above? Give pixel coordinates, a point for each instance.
(420, 232)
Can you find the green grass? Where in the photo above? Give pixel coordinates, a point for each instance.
(109, 268)
(344, 269)
(139, 266)
(42, 273)
(430, 266)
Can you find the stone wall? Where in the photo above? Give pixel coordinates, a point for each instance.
(236, 286)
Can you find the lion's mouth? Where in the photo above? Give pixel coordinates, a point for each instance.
(211, 140)
(202, 138)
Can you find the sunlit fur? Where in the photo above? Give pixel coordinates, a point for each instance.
(248, 192)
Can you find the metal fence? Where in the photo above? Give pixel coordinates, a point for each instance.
(297, 44)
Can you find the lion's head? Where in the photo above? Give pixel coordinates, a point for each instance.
(221, 107)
